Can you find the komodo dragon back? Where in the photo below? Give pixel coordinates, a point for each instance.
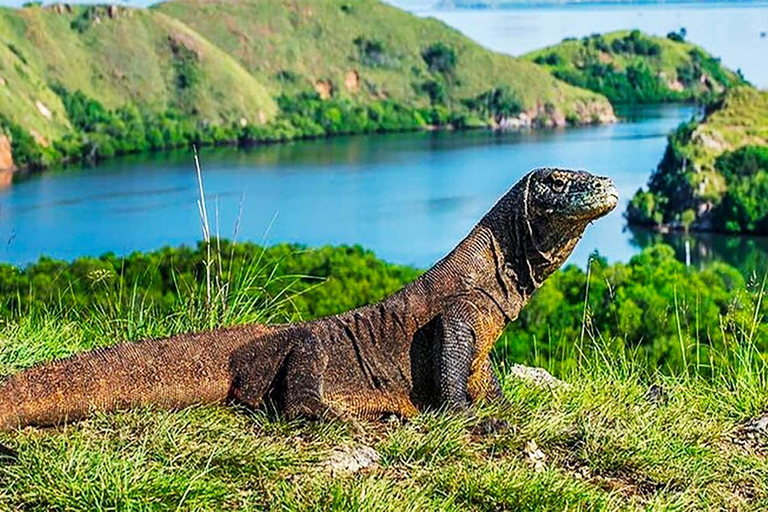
(427, 345)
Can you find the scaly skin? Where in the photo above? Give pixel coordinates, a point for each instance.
(426, 346)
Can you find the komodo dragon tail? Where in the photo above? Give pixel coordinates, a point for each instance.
(169, 373)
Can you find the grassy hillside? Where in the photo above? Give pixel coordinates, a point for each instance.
(301, 44)
(119, 56)
(87, 82)
(714, 174)
(634, 67)
(620, 435)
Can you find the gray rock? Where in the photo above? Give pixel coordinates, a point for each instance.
(539, 377)
(350, 460)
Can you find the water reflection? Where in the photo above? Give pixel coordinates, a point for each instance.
(747, 253)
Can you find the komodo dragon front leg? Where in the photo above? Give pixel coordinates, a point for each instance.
(464, 374)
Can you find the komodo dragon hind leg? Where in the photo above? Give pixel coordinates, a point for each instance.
(303, 387)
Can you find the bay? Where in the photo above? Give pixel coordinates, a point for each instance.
(409, 197)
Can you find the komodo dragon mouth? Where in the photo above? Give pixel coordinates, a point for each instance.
(426, 346)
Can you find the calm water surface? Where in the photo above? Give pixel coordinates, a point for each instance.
(409, 197)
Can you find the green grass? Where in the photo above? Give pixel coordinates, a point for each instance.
(129, 57)
(607, 443)
(606, 446)
(659, 69)
(315, 41)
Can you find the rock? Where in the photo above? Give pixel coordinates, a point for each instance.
(39, 138)
(348, 460)
(6, 157)
(535, 456)
(324, 88)
(45, 111)
(757, 426)
(352, 81)
(676, 85)
(752, 436)
(539, 377)
(182, 40)
(656, 395)
(708, 139)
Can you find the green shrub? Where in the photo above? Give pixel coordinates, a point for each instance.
(440, 58)
(743, 208)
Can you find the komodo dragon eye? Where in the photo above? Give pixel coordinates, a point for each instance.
(556, 184)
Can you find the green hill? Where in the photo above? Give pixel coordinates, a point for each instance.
(87, 82)
(632, 67)
(118, 56)
(367, 50)
(714, 174)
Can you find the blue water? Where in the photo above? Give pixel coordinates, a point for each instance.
(409, 197)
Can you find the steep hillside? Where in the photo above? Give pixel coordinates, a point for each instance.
(634, 67)
(714, 174)
(119, 56)
(369, 50)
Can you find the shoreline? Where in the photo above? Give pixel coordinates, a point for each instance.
(509, 126)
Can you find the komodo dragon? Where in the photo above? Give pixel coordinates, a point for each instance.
(425, 346)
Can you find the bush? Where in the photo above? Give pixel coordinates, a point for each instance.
(499, 103)
(372, 53)
(743, 208)
(101, 133)
(440, 58)
(436, 90)
(639, 305)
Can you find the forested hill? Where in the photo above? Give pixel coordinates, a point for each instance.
(87, 82)
(633, 67)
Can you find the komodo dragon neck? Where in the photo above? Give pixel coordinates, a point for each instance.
(477, 266)
(498, 259)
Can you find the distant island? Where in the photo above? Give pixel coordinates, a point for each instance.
(714, 173)
(633, 67)
(80, 83)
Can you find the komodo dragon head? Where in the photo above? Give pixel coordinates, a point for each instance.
(540, 220)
